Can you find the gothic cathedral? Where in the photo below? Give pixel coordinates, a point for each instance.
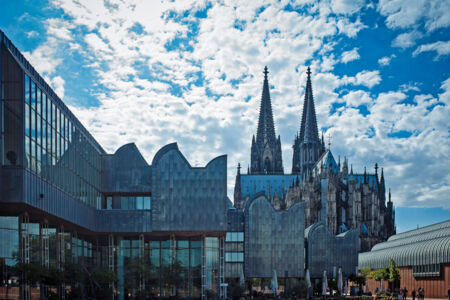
(332, 193)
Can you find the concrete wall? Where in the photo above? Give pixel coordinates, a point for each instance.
(325, 250)
(273, 239)
(186, 198)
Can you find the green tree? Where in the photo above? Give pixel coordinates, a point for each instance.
(394, 274)
(173, 275)
(359, 280)
(139, 270)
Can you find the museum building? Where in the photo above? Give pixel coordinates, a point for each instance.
(423, 258)
(64, 199)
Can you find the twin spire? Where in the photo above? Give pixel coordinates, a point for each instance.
(266, 148)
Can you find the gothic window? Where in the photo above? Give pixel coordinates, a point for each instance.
(266, 165)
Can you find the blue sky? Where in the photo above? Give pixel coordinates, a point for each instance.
(154, 72)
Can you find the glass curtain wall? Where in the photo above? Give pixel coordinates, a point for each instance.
(160, 268)
(212, 264)
(56, 150)
(9, 252)
(234, 254)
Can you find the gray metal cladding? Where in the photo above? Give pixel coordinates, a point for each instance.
(273, 239)
(126, 171)
(326, 251)
(424, 246)
(185, 198)
(235, 220)
(124, 221)
(56, 202)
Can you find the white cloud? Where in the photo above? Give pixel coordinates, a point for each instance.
(357, 98)
(44, 58)
(347, 6)
(32, 33)
(433, 14)
(407, 39)
(385, 60)
(350, 55)
(59, 29)
(441, 48)
(401, 137)
(365, 78)
(57, 84)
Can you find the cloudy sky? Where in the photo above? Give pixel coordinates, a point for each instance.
(154, 72)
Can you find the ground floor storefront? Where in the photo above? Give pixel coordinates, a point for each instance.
(155, 264)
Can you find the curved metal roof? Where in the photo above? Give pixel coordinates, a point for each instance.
(426, 229)
(427, 245)
(410, 237)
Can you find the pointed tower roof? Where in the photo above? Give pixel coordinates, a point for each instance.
(266, 128)
(308, 127)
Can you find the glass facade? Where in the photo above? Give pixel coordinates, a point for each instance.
(212, 263)
(56, 149)
(9, 237)
(143, 202)
(234, 254)
(166, 267)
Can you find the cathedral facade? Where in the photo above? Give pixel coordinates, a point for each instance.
(332, 192)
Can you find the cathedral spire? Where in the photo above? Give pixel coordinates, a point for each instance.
(266, 128)
(308, 127)
(266, 149)
(308, 147)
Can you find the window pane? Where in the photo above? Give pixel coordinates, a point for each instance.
(38, 100)
(33, 95)
(147, 202)
(131, 202)
(54, 142)
(27, 151)
(38, 129)
(108, 202)
(27, 89)
(33, 156)
(53, 115)
(33, 123)
(58, 120)
(38, 159)
(139, 203)
(124, 203)
(27, 119)
(44, 106)
(240, 257)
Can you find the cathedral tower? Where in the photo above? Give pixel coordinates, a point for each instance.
(307, 145)
(266, 148)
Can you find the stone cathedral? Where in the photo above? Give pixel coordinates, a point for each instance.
(332, 193)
